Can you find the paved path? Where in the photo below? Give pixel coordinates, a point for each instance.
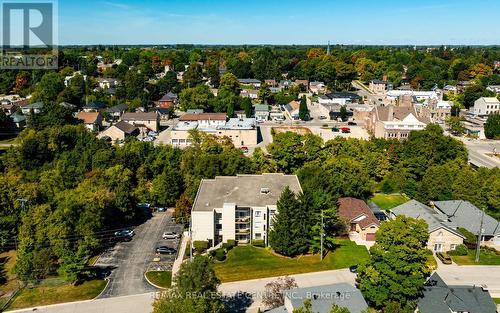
(141, 303)
(180, 254)
(472, 275)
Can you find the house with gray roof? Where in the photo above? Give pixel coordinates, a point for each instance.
(466, 215)
(250, 82)
(322, 299)
(238, 207)
(261, 112)
(35, 107)
(443, 234)
(439, 297)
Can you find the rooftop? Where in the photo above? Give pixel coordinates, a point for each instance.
(203, 117)
(352, 208)
(243, 190)
(239, 123)
(249, 81)
(140, 116)
(126, 127)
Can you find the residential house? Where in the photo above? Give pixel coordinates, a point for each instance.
(359, 219)
(317, 87)
(250, 82)
(35, 107)
(8, 107)
(341, 98)
(394, 121)
(164, 114)
(68, 105)
(303, 83)
(394, 95)
(168, 101)
(19, 120)
(238, 207)
(380, 87)
(249, 93)
(241, 131)
(118, 132)
(439, 297)
(277, 115)
(494, 88)
(285, 84)
(115, 112)
(449, 88)
(485, 106)
(271, 82)
(107, 83)
(145, 121)
(94, 106)
(462, 85)
(466, 215)
(92, 120)
(292, 110)
(322, 299)
(443, 235)
(261, 112)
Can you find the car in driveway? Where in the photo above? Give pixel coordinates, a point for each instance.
(335, 129)
(125, 233)
(352, 123)
(170, 235)
(165, 250)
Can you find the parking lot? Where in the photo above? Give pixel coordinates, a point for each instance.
(130, 260)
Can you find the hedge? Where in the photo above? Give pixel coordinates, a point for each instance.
(200, 246)
(258, 243)
(220, 255)
(459, 250)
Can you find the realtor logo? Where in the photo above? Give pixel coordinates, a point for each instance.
(29, 32)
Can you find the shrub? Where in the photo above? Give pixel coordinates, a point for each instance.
(220, 255)
(459, 250)
(200, 246)
(470, 239)
(258, 243)
(231, 242)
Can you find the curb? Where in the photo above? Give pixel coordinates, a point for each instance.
(149, 282)
(103, 289)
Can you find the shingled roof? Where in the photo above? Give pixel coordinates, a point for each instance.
(350, 209)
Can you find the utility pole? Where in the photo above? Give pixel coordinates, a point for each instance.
(322, 234)
(478, 247)
(190, 239)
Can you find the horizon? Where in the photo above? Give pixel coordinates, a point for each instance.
(257, 22)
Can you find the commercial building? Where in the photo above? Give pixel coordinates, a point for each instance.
(239, 207)
(395, 121)
(485, 106)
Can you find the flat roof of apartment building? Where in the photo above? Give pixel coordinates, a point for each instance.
(244, 190)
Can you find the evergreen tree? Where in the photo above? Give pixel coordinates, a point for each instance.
(303, 111)
(246, 104)
(492, 126)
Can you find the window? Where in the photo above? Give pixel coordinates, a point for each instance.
(258, 236)
(258, 213)
(453, 246)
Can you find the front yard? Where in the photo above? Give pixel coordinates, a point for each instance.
(486, 257)
(247, 262)
(387, 202)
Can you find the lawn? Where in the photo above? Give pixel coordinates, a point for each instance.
(387, 202)
(497, 300)
(57, 294)
(160, 278)
(486, 258)
(247, 262)
(8, 281)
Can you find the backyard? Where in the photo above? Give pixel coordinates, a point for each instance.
(388, 201)
(248, 262)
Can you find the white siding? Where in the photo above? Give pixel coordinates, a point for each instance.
(228, 222)
(203, 225)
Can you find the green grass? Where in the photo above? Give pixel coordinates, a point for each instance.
(160, 278)
(247, 262)
(496, 300)
(431, 262)
(486, 258)
(387, 202)
(7, 141)
(8, 280)
(51, 295)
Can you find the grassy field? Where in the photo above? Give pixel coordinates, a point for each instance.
(8, 281)
(160, 278)
(57, 294)
(387, 202)
(486, 258)
(247, 262)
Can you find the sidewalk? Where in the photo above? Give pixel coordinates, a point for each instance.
(180, 255)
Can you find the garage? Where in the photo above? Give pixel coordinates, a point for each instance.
(370, 237)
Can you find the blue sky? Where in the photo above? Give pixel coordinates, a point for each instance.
(279, 22)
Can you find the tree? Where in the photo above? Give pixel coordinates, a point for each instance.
(303, 111)
(193, 75)
(455, 124)
(183, 209)
(198, 97)
(307, 308)
(49, 88)
(195, 290)
(492, 126)
(264, 93)
(246, 104)
(397, 267)
(229, 83)
(343, 113)
(274, 295)
(166, 188)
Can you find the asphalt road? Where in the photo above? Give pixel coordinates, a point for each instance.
(478, 150)
(131, 260)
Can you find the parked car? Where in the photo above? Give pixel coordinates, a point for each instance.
(444, 257)
(352, 123)
(345, 130)
(153, 134)
(353, 269)
(165, 250)
(335, 129)
(322, 117)
(162, 209)
(170, 235)
(125, 233)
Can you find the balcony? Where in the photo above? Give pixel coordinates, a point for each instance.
(243, 231)
(243, 220)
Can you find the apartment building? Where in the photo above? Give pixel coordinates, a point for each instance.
(241, 131)
(239, 207)
(485, 106)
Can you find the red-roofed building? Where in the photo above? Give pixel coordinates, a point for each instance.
(358, 217)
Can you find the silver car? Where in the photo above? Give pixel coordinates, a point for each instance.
(170, 235)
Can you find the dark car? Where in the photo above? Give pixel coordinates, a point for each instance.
(352, 123)
(335, 129)
(165, 250)
(124, 235)
(353, 269)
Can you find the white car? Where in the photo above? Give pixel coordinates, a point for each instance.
(170, 235)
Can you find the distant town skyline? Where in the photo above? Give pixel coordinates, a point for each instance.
(389, 22)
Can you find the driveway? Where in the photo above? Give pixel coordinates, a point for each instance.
(131, 260)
